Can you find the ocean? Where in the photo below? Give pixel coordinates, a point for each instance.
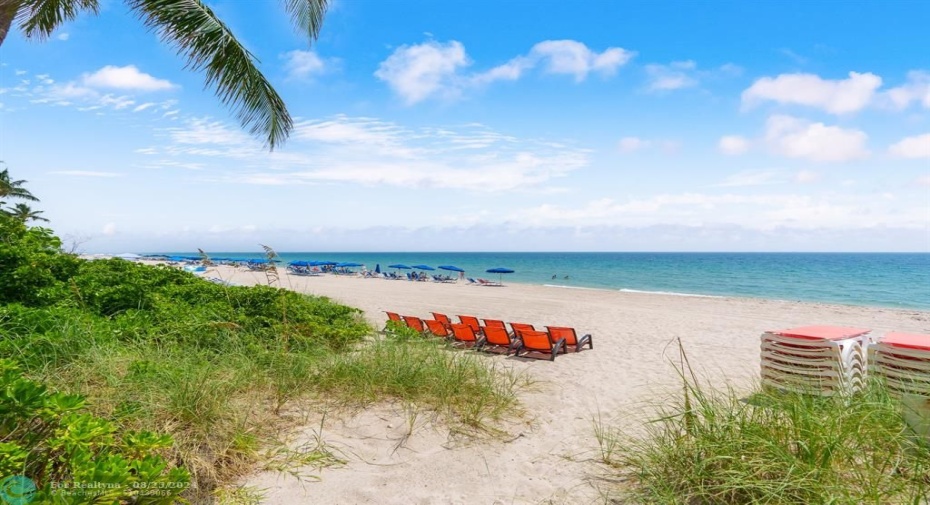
(871, 279)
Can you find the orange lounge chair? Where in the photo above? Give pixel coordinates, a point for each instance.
(494, 323)
(442, 318)
(416, 323)
(392, 317)
(538, 344)
(498, 340)
(437, 328)
(471, 321)
(572, 342)
(465, 336)
(518, 327)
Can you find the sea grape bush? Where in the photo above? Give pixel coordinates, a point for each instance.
(32, 267)
(75, 457)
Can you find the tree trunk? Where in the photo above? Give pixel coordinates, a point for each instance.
(8, 10)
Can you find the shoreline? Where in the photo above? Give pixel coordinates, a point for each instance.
(901, 299)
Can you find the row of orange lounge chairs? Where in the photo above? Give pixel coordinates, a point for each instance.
(494, 337)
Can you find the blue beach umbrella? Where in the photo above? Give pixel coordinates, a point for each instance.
(450, 268)
(398, 265)
(348, 264)
(423, 267)
(378, 268)
(500, 271)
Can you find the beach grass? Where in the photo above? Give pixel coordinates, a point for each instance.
(717, 446)
(414, 369)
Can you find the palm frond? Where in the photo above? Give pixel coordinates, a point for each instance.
(307, 15)
(40, 18)
(210, 45)
(24, 213)
(15, 189)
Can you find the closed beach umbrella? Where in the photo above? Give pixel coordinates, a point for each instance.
(451, 268)
(378, 268)
(500, 271)
(424, 267)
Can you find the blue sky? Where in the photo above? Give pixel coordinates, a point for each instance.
(496, 126)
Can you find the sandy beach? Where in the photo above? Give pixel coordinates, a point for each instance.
(549, 455)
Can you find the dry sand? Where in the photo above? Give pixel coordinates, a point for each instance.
(549, 456)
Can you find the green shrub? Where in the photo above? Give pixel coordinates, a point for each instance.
(74, 457)
(33, 270)
(108, 287)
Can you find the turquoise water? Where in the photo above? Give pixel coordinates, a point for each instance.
(874, 279)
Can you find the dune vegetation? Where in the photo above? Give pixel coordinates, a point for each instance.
(713, 446)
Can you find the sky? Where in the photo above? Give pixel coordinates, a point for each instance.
(489, 126)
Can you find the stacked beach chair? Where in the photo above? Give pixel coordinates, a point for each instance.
(902, 362)
(822, 360)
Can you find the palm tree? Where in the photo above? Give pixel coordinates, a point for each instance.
(14, 189)
(22, 212)
(202, 38)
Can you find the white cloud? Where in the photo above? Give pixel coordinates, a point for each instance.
(684, 74)
(574, 58)
(128, 77)
(510, 71)
(371, 152)
(840, 96)
(434, 69)
(750, 178)
(676, 75)
(422, 71)
(202, 131)
(733, 145)
(63, 36)
(796, 138)
(806, 177)
(66, 92)
(916, 147)
(86, 173)
(306, 64)
(767, 211)
(143, 106)
(117, 102)
(632, 144)
(109, 229)
(916, 89)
